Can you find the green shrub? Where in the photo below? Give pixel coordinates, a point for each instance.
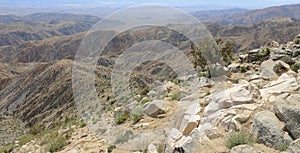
(124, 137)
(145, 91)
(243, 69)
(296, 67)
(136, 115)
(57, 144)
(26, 138)
(111, 148)
(100, 131)
(284, 146)
(82, 124)
(176, 96)
(239, 138)
(278, 68)
(121, 118)
(235, 81)
(36, 129)
(145, 101)
(287, 60)
(6, 149)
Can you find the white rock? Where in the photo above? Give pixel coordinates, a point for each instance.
(267, 69)
(154, 108)
(152, 148)
(284, 84)
(73, 151)
(175, 134)
(193, 109)
(189, 123)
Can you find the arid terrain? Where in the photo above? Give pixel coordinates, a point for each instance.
(248, 104)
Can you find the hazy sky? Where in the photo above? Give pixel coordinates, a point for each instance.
(122, 3)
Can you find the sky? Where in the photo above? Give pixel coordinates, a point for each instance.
(208, 4)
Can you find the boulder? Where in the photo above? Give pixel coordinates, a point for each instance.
(268, 130)
(294, 147)
(193, 109)
(154, 108)
(296, 52)
(284, 84)
(297, 39)
(213, 133)
(288, 111)
(267, 69)
(189, 123)
(239, 94)
(243, 149)
(252, 55)
(243, 58)
(274, 44)
(234, 67)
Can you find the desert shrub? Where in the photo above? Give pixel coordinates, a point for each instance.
(278, 68)
(145, 91)
(100, 131)
(121, 118)
(261, 56)
(136, 114)
(284, 146)
(36, 129)
(239, 138)
(57, 144)
(26, 138)
(82, 124)
(145, 101)
(296, 67)
(243, 69)
(111, 148)
(287, 60)
(199, 59)
(226, 50)
(124, 137)
(6, 149)
(176, 96)
(176, 81)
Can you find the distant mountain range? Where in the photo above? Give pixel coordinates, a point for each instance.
(22, 37)
(242, 16)
(18, 29)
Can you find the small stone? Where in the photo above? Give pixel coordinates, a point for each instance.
(73, 151)
(243, 149)
(152, 148)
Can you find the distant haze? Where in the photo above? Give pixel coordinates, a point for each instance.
(103, 7)
(211, 4)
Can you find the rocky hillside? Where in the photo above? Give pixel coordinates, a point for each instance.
(254, 109)
(253, 36)
(19, 29)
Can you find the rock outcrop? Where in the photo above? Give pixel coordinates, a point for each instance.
(267, 129)
(288, 111)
